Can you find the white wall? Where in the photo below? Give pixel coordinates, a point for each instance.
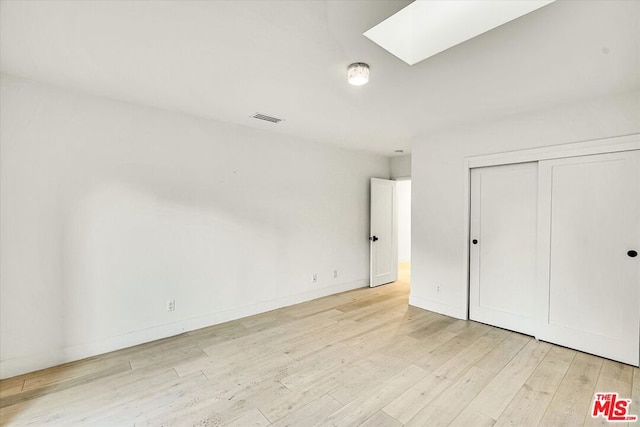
(401, 166)
(438, 175)
(403, 188)
(108, 210)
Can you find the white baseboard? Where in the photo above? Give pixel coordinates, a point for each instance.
(22, 365)
(438, 307)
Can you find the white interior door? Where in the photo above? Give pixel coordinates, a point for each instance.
(588, 279)
(384, 232)
(503, 246)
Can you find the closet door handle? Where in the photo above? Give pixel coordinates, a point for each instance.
(632, 254)
(474, 241)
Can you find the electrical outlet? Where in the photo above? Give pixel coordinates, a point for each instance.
(437, 289)
(171, 305)
(335, 274)
(314, 278)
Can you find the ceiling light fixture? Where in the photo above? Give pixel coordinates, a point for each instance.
(358, 74)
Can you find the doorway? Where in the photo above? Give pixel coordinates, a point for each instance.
(390, 234)
(403, 187)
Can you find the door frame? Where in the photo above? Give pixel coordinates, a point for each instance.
(584, 148)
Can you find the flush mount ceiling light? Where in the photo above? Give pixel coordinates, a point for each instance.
(358, 74)
(427, 27)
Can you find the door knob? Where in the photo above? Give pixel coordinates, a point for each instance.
(474, 241)
(632, 254)
(374, 239)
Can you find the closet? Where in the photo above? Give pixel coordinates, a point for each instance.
(553, 251)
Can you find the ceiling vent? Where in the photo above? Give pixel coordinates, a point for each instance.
(266, 118)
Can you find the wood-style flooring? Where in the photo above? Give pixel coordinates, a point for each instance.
(358, 358)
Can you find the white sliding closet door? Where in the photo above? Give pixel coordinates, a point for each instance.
(588, 277)
(503, 246)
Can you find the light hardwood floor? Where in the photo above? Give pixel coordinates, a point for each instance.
(358, 358)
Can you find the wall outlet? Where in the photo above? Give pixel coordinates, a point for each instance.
(437, 289)
(314, 278)
(171, 305)
(335, 274)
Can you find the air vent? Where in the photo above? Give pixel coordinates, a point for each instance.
(266, 118)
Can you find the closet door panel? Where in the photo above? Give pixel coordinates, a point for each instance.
(589, 218)
(502, 259)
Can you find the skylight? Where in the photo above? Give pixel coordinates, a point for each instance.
(427, 27)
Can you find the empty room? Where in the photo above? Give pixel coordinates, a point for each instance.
(319, 212)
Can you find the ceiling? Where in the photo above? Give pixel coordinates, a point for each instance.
(229, 59)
